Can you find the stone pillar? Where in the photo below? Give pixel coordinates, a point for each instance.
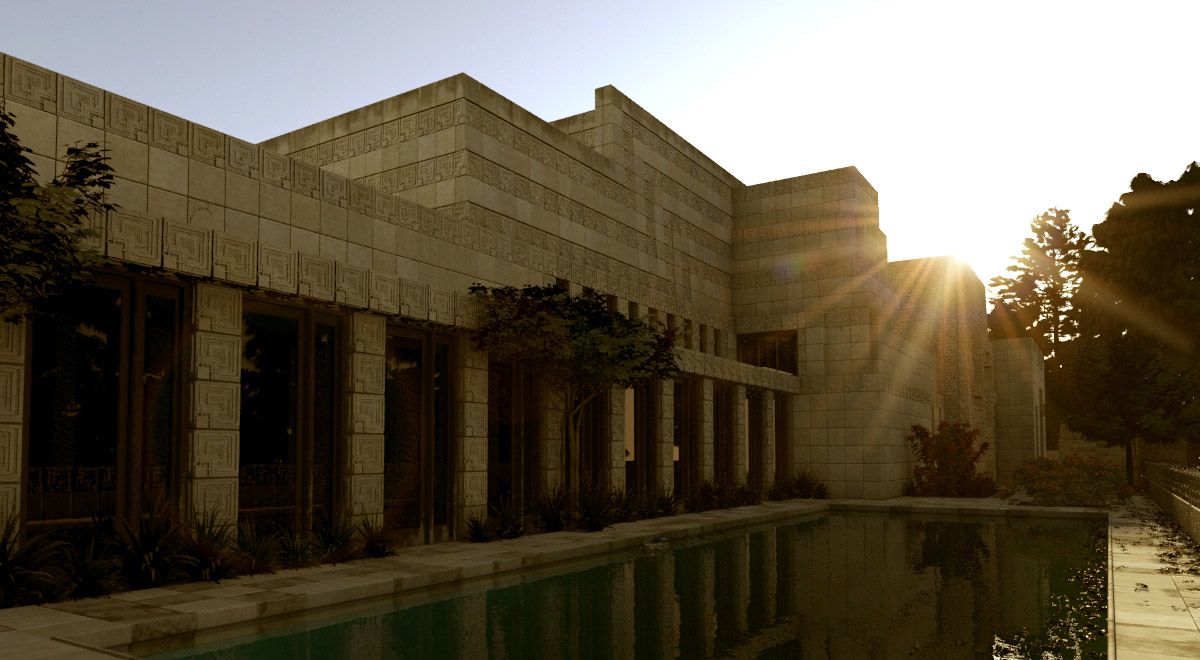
(741, 435)
(12, 414)
(766, 418)
(664, 429)
(550, 438)
(614, 471)
(215, 397)
(705, 435)
(470, 434)
(365, 377)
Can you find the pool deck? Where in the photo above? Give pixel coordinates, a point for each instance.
(1152, 617)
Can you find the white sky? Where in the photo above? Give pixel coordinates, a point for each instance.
(969, 118)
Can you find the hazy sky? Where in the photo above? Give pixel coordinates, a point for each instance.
(969, 118)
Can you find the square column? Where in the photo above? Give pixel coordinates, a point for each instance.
(470, 434)
(365, 375)
(210, 475)
(664, 436)
(705, 444)
(12, 414)
(741, 435)
(614, 470)
(550, 439)
(766, 418)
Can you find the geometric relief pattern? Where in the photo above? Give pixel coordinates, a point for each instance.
(234, 259)
(413, 298)
(12, 342)
(366, 373)
(168, 132)
(351, 285)
(217, 356)
(135, 237)
(466, 313)
(12, 385)
(385, 293)
(10, 452)
(10, 495)
(277, 269)
(217, 497)
(367, 335)
(366, 413)
(127, 118)
(440, 306)
(366, 453)
(316, 277)
(218, 309)
(187, 249)
(214, 453)
(207, 145)
(31, 85)
(241, 157)
(81, 102)
(366, 494)
(215, 405)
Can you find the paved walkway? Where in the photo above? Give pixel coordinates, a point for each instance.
(1153, 614)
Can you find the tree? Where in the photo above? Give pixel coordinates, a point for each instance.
(43, 225)
(578, 345)
(1044, 279)
(1134, 373)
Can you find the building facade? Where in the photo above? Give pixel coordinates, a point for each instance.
(279, 331)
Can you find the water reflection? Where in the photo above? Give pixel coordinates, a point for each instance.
(848, 586)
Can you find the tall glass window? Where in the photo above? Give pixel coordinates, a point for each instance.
(269, 429)
(104, 401)
(402, 439)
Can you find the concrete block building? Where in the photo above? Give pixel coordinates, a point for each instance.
(279, 331)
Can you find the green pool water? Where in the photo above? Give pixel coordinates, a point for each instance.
(843, 586)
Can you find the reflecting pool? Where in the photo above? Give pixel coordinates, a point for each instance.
(841, 586)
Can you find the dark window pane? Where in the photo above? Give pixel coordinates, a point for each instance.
(267, 488)
(441, 434)
(500, 433)
(776, 350)
(159, 360)
(402, 426)
(324, 420)
(75, 406)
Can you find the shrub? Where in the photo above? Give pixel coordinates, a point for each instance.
(259, 549)
(506, 520)
(705, 497)
(295, 548)
(666, 504)
(478, 530)
(595, 510)
(1075, 480)
(375, 538)
(153, 548)
(946, 462)
(552, 511)
(209, 543)
(335, 541)
(801, 486)
(25, 574)
(92, 568)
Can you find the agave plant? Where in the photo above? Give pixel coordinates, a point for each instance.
(553, 510)
(336, 541)
(93, 567)
(376, 538)
(154, 548)
(295, 548)
(208, 541)
(258, 548)
(26, 566)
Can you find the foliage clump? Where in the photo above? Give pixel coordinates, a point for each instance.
(580, 346)
(1076, 479)
(801, 486)
(44, 225)
(946, 462)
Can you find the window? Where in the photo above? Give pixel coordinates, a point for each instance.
(289, 471)
(106, 375)
(775, 350)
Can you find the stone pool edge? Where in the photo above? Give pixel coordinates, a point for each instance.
(108, 625)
